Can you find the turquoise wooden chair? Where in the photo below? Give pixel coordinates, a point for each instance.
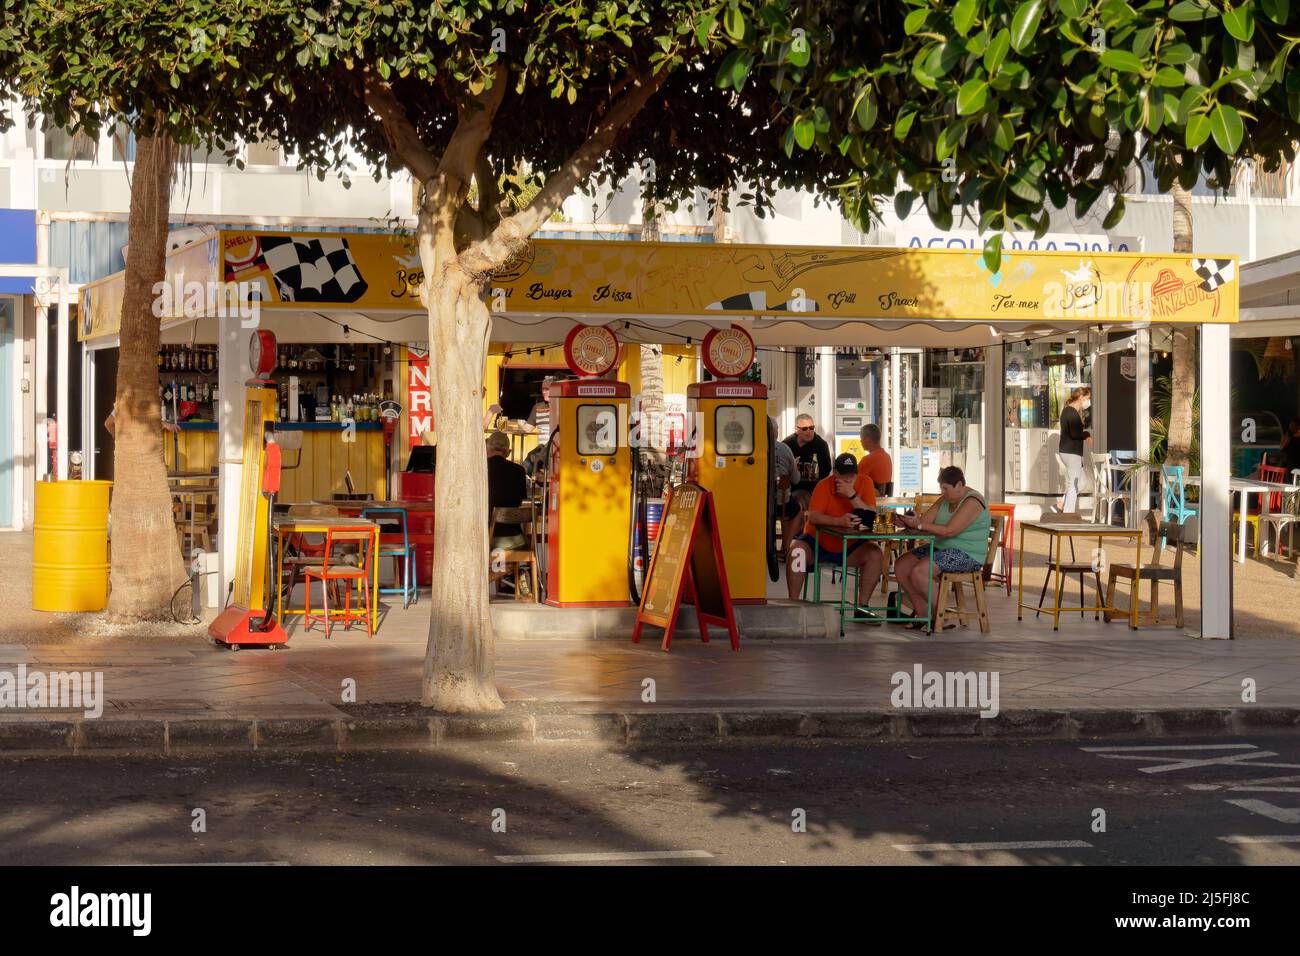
(403, 553)
(1173, 494)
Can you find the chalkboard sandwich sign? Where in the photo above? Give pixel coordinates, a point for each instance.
(688, 564)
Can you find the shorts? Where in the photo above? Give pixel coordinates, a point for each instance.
(824, 556)
(801, 497)
(790, 510)
(948, 559)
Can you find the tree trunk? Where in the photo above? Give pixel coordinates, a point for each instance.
(460, 660)
(651, 400)
(719, 216)
(147, 567)
(1183, 381)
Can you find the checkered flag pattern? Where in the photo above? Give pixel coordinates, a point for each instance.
(1214, 272)
(757, 302)
(313, 270)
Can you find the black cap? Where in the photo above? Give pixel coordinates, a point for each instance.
(846, 464)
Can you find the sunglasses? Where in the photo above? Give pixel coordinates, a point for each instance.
(806, 428)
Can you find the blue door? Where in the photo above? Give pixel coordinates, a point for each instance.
(8, 396)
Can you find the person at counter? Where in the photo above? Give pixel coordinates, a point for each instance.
(877, 465)
(110, 423)
(507, 488)
(540, 416)
(847, 500)
(813, 457)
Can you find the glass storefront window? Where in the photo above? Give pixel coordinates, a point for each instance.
(952, 409)
(1039, 378)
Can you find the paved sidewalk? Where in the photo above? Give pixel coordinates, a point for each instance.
(306, 679)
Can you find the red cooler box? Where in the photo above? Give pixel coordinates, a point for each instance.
(418, 486)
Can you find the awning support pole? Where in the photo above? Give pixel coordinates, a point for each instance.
(1216, 508)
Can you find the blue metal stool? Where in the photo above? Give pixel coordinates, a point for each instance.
(406, 554)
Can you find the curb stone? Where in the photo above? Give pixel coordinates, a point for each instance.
(700, 726)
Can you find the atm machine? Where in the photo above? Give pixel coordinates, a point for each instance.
(730, 455)
(589, 480)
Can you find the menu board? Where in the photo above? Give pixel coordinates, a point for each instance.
(664, 582)
(687, 563)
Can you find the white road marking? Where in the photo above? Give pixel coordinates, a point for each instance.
(1096, 750)
(1287, 838)
(233, 863)
(1009, 845)
(1224, 760)
(1257, 785)
(611, 857)
(1266, 809)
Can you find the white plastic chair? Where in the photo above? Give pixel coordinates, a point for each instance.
(1105, 493)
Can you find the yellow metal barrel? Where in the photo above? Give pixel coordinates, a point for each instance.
(70, 546)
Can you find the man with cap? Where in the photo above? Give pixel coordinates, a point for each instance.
(840, 500)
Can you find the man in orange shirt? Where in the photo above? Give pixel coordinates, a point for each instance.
(876, 465)
(843, 499)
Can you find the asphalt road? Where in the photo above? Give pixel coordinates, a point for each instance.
(869, 804)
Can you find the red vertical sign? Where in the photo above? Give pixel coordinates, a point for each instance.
(419, 400)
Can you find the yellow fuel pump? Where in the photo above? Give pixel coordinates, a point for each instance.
(733, 459)
(589, 486)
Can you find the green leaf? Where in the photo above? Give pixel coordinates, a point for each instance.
(1276, 10)
(963, 16)
(903, 124)
(740, 70)
(1198, 130)
(733, 21)
(865, 110)
(972, 96)
(1121, 60)
(1005, 135)
(723, 79)
(903, 204)
(1176, 54)
(1027, 185)
(914, 21)
(1188, 11)
(948, 141)
(993, 253)
(1072, 8)
(1024, 25)
(1168, 76)
(1240, 22)
(1190, 99)
(1227, 128)
(997, 51)
(704, 27)
(804, 131)
(1115, 215)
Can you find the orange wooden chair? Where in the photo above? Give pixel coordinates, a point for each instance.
(1006, 551)
(333, 570)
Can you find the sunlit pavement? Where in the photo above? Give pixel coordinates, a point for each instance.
(912, 803)
(309, 678)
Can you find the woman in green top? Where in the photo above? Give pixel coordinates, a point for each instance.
(959, 520)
